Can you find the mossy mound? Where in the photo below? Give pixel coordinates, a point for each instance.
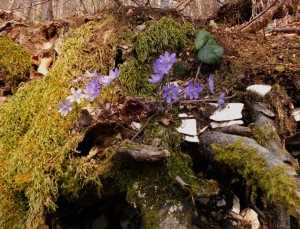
(15, 62)
(39, 160)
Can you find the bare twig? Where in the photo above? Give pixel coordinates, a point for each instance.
(258, 16)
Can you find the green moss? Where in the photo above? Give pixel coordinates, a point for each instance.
(263, 134)
(274, 182)
(15, 62)
(166, 34)
(35, 139)
(134, 77)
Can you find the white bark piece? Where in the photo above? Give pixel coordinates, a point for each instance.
(236, 208)
(223, 124)
(231, 111)
(188, 127)
(262, 90)
(44, 65)
(191, 139)
(296, 114)
(47, 45)
(252, 217)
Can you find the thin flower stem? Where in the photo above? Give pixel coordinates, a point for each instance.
(204, 100)
(111, 99)
(198, 72)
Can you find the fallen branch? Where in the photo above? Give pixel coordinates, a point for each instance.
(141, 152)
(286, 30)
(246, 27)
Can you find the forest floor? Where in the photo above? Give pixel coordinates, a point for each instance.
(269, 57)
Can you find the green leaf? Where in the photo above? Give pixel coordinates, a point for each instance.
(211, 53)
(202, 38)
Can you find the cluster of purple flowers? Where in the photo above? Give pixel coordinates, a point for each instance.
(91, 91)
(171, 92)
(162, 66)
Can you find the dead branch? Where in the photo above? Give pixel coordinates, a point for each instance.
(249, 24)
(286, 30)
(141, 152)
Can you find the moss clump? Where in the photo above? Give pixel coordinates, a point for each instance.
(274, 182)
(35, 140)
(15, 62)
(134, 78)
(264, 134)
(166, 34)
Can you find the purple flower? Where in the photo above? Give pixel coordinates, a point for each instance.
(91, 75)
(221, 100)
(76, 95)
(193, 90)
(107, 80)
(92, 90)
(65, 107)
(155, 78)
(171, 92)
(168, 59)
(211, 84)
(160, 68)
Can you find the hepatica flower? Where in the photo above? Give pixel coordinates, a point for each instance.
(168, 59)
(171, 92)
(77, 95)
(65, 107)
(91, 74)
(211, 84)
(113, 74)
(155, 78)
(221, 100)
(193, 90)
(92, 90)
(160, 68)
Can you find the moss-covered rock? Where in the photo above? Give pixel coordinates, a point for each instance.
(278, 186)
(15, 62)
(165, 34)
(38, 147)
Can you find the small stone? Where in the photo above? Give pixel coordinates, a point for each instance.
(136, 125)
(262, 90)
(231, 111)
(221, 203)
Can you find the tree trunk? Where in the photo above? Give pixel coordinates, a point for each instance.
(83, 7)
(50, 15)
